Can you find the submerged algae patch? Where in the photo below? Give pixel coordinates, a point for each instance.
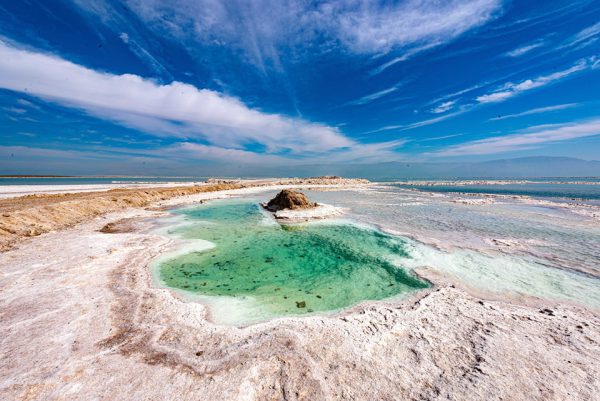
(285, 270)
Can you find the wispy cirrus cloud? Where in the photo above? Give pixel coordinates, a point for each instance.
(538, 110)
(510, 89)
(376, 28)
(520, 51)
(443, 107)
(584, 37)
(456, 94)
(177, 109)
(422, 123)
(505, 92)
(439, 138)
(527, 139)
(263, 29)
(373, 96)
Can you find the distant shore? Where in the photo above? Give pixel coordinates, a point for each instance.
(36, 176)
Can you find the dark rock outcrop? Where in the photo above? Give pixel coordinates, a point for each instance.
(289, 199)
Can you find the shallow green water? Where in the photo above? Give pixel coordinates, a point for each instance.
(274, 270)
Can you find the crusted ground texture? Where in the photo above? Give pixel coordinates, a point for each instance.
(82, 318)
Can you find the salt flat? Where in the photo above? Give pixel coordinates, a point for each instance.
(82, 317)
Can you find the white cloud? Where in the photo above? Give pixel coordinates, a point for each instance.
(518, 52)
(373, 152)
(423, 123)
(531, 138)
(197, 151)
(177, 109)
(510, 89)
(443, 107)
(538, 110)
(584, 37)
(124, 37)
(262, 28)
(179, 158)
(456, 94)
(15, 110)
(366, 28)
(373, 96)
(365, 153)
(439, 138)
(405, 56)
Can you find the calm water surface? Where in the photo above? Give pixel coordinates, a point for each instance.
(257, 269)
(284, 269)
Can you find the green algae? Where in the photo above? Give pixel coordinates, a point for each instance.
(285, 269)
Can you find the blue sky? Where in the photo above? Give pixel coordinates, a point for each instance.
(182, 86)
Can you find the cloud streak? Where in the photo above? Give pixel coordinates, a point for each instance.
(443, 107)
(531, 138)
(373, 96)
(263, 29)
(584, 37)
(423, 123)
(518, 52)
(365, 28)
(176, 110)
(538, 110)
(510, 89)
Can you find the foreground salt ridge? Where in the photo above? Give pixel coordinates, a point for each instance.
(95, 294)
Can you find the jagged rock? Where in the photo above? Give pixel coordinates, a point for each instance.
(289, 199)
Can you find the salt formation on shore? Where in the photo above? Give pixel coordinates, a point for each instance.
(291, 205)
(289, 199)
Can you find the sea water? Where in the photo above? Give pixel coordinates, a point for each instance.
(259, 269)
(589, 191)
(554, 253)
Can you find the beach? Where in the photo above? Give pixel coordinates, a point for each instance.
(84, 315)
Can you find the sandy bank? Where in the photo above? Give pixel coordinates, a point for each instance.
(36, 214)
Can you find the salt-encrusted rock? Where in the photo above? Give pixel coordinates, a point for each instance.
(289, 199)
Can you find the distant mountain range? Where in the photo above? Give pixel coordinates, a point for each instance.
(526, 167)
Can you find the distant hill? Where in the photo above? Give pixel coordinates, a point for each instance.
(526, 167)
